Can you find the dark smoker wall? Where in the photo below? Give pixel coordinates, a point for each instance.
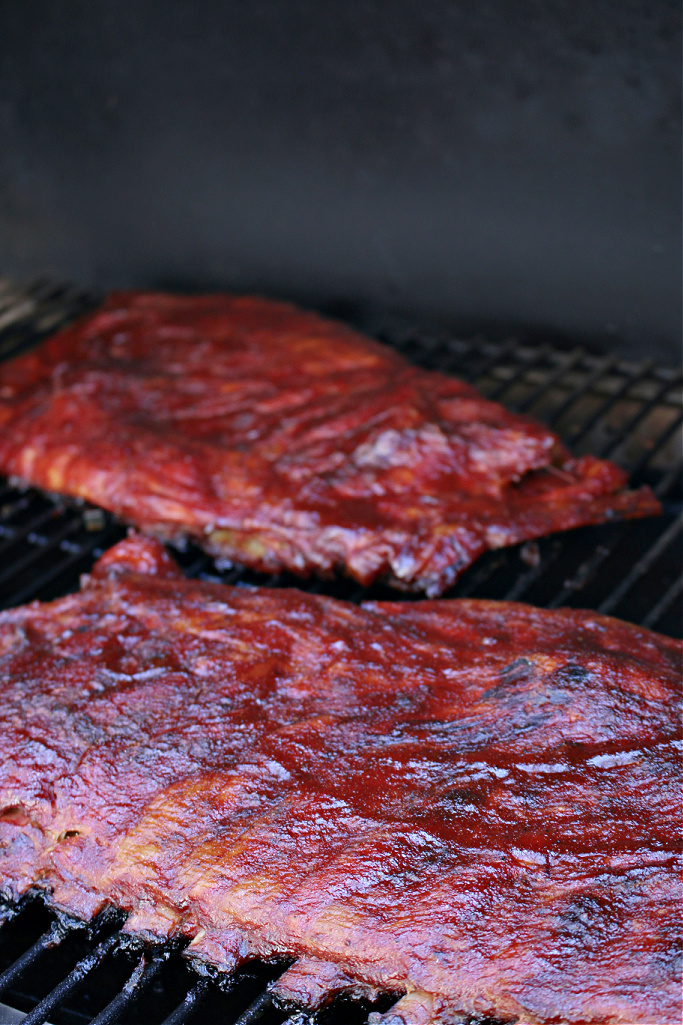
(493, 162)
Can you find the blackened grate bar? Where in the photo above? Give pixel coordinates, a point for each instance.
(191, 1001)
(118, 1008)
(65, 990)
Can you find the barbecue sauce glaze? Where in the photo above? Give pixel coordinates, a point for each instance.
(279, 439)
(471, 803)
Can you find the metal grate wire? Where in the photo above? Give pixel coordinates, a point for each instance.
(66, 973)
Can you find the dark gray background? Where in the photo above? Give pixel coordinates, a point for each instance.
(497, 163)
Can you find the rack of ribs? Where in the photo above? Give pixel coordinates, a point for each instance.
(472, 804)
(281, 440)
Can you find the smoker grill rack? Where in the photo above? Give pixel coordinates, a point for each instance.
(68, 973)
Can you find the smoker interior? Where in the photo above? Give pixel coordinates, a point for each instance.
(62, 972)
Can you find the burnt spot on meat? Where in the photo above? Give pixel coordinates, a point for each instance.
(573, 673)
(584, 922)
(520, 669)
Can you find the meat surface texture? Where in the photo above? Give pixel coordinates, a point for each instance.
(474, 804)
(281, 440)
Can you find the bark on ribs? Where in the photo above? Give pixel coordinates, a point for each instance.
(281, 440)
(471, 802)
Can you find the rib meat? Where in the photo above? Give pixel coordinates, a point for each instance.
(471, 803)
(281, 440)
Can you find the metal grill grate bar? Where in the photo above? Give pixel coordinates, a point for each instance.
(57, 565)
(143, 974)
(664, 604)
(66, 988)
(452, 356)
(518, 375)
(574, 437)
(30, 958)
(642, 566)
(256, 1010)
(573, 359)
(500, 353)
(29, 531)
(649, 455)
(456, 355)
(587, 385)
(526, 579)
(23, 306)
(193, 998)
(666, 483)
(36, 310)
(638, 418)
(585, 571)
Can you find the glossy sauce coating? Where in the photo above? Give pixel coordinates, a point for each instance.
(280, 440)
(473, 803)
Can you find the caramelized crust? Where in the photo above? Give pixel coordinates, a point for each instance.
(475, 804)
(278, 439)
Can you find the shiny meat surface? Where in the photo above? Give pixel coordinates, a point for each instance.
(278, 439)
(472, 803)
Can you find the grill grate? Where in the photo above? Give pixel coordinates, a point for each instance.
(72, 974)
(65, 972)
